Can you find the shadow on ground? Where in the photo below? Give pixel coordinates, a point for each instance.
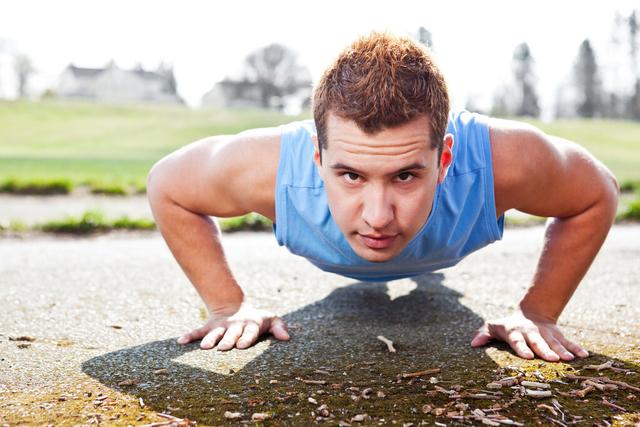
(337, 336)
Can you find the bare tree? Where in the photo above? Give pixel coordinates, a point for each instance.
(276, 72)
(24, 69)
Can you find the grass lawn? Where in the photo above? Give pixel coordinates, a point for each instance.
(615, 143)
(102, 144)
(107, 146)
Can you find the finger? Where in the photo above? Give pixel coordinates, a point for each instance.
(196, 334)
(482, 337)
(279, 329)
(212, 338)
(558, 348)
(234, 331)
(249, 335)
(540, 347)
(572, 347)
(519, 345)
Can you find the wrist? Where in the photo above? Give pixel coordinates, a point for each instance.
(538, 312)
(228, 299)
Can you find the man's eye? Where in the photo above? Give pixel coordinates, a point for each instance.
(405, 177)
(350, 176)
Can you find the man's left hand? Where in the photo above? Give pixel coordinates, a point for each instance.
(527, 335)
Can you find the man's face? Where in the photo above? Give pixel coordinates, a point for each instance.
(380, 187)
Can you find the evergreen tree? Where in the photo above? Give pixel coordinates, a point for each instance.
(634, 99)
(633, 43)
(587, 82)
(523, 70)
(634, 102)
(425, 37)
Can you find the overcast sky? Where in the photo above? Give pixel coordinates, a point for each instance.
(207, 40)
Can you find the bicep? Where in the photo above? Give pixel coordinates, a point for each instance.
(545, 175)
(222, 176)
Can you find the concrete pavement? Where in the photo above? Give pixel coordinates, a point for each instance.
(104, 312)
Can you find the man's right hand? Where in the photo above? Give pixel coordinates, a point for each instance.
(238, 326)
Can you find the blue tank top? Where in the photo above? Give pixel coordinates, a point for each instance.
(462, 218)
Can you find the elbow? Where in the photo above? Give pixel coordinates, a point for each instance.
(151, 183)
(155, 182)
(610, 194)
(614, 183)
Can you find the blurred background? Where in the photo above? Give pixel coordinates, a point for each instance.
(93, 93)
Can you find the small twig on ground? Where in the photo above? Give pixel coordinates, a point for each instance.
(539, 376)
(506, 421)
(232, 415)
(605, 365)
(601, 380)
(170, 417)
(538, 394)
(22, 338)
(260, 416)
(599, 386)
(171, 421)
(558, 407)
(613, 405)
(444, 390)
(388, 342)
(553, 420)
(582, 393)
(475, 390)
(548, 408)
(508, 381)
(158, 424)
(420, 373)
(481, 396)
(534, 384)
(316, 382)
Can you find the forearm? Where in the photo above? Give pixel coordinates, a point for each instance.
(570, 246)
(194, 241)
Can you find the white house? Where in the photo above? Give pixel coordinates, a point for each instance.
(116, 85)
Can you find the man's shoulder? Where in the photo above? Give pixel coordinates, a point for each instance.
(299, 130)
(243, 168)
(516, 147)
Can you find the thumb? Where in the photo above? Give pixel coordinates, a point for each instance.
(481, 338)
(279, 329)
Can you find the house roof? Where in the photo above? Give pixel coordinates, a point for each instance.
(85, 72)
(148, 75)
(93, 72)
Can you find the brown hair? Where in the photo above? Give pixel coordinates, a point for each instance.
(382, 81)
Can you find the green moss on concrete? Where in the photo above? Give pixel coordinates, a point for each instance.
(206, 398)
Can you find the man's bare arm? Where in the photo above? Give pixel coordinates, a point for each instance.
(551, 177)
(218, 176)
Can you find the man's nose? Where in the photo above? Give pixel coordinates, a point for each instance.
(377, 210)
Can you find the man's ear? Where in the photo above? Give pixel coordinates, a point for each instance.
(316, 153)
(445, 158)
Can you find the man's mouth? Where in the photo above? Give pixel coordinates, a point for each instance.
(378, 241)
